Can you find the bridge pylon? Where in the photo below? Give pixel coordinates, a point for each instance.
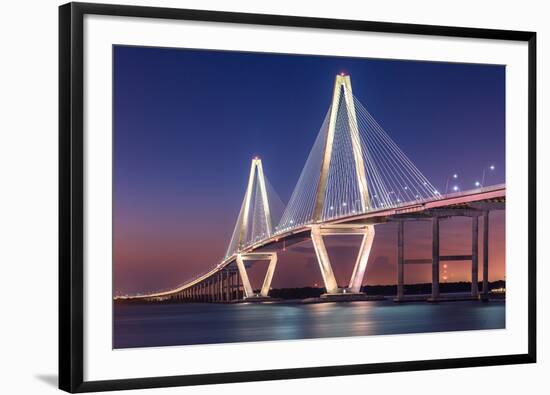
(342, 95)
(254, 224)
(342, 92)
(255, 168)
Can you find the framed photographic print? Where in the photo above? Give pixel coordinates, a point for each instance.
(237, 188)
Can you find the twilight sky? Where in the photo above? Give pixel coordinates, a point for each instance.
(188, 122)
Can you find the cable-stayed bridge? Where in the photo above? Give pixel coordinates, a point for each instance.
(354, 178)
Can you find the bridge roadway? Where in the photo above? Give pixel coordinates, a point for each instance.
(471, 203)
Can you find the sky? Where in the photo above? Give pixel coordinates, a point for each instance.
(188, 122)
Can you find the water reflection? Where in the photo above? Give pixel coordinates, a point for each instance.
(163, 325)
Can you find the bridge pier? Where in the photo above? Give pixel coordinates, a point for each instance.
(400, 260)
(227, 290)
(219, 287)
(435, 258)
(232, 286)
(485, 291)
(222, 286)
(211, 289)
(222, 275)
(331, 285)
(247, 287)
(475, 250)
(238, 286)
(435, 217)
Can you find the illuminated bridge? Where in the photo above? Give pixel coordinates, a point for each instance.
(354, 178)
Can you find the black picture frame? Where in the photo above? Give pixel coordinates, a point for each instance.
(71, 181)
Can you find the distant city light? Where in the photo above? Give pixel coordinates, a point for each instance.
(455, 175)
(492, 167)
(344, 204)
(477, 183)
(455, 188)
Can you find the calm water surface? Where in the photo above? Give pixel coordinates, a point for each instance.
(198, 323)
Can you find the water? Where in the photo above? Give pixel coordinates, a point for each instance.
(202, 323)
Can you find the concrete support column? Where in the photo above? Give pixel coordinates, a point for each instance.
(400, 259)
(475, 249)
(227, 290)
(211, 289)
(247, 287)
(366, 231)
(220, 287)
(232, 286)
(224, 285)
(238, 286)
(235, 286)
(485, 255)
(324, 262)
(217, 287)
(435, 258)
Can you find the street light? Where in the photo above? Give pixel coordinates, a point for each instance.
(491, 168)
(455, 176)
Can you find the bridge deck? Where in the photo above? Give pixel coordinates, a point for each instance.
(459, 203)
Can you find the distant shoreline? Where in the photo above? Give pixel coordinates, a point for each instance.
(371, 290)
